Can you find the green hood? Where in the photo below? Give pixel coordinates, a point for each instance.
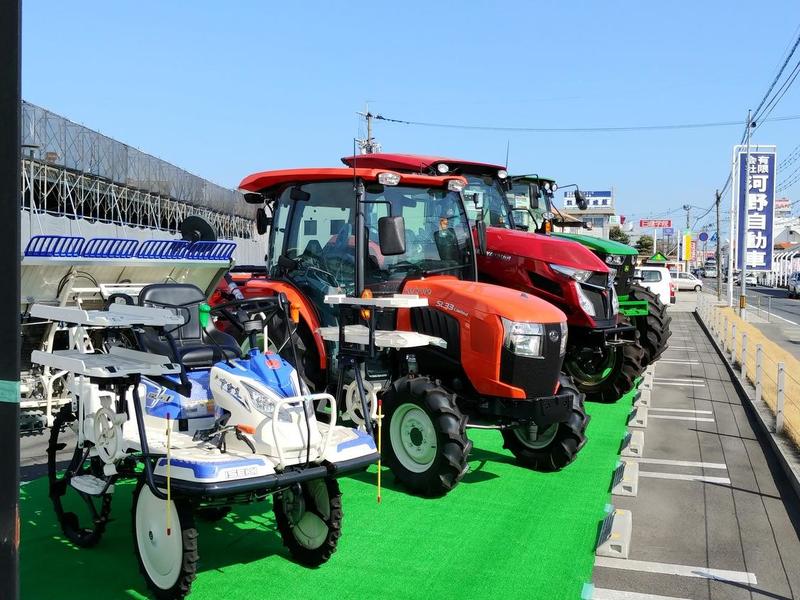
(599, 244)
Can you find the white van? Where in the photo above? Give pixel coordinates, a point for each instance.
(657, 280)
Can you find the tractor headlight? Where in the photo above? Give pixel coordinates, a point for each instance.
(614, 300)
(523, 339)
(584, 301)
(261, 401)
(578, 275)
(388, 178)
(615, 259)
(564, 329)
(454, 185)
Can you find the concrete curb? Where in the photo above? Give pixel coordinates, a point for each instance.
(788, 457)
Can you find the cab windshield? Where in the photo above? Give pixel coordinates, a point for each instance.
(314, 242)
(487, 190)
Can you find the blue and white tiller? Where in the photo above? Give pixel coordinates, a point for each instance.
(160, 395)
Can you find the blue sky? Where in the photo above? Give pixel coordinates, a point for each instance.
(225, 89)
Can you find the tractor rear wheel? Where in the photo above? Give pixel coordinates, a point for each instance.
(607, 373)
(555, 446)
(654, 329)
(427, 445)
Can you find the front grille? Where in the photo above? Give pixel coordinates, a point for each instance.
(598, 279)
(438, 324)
(624, 278)
(601, 301)
(537, 376)
(545, 284)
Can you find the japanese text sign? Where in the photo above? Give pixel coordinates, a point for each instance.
(756, 195)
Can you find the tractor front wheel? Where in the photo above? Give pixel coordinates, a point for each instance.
(654, 329)
(428, 446)
(556, 446)
(607, 373)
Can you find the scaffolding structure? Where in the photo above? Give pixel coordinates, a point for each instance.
(69, 170)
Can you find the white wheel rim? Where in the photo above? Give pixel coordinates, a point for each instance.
(413, 438)
(106, 436)
(161, 554)
(543, 439)
(309, 528)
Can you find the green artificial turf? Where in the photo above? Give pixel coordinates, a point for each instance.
(504, 532)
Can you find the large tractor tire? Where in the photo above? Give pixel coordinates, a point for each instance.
(654, 329)
(607, 373)
(426, 444)
(556, 446)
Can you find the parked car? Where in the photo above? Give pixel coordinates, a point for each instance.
(657, 280)
(793, 285)
(686, 281)
(710, 272)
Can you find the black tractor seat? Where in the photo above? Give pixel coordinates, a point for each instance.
(197, 347)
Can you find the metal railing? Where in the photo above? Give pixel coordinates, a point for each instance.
(771, 371)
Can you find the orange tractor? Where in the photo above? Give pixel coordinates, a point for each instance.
(491, 358)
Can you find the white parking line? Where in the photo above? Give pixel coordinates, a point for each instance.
(604, 594)
(685, 384)
(681, 348)
(674, 379)
(680, 418)
(684, 477)
(684, 410)
(670, 361)
(679, 463)
(682, 570)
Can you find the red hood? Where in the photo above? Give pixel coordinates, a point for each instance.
(544, 248)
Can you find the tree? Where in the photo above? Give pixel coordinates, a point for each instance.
(617, 235)
(645, 244)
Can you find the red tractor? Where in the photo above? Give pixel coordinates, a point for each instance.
(498, 357)
(604, 356)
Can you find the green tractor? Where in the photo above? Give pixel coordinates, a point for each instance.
(532, 196)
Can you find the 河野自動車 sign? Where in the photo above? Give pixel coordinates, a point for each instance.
(756, 197)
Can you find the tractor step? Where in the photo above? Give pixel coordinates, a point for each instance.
(638, 417)
(633, 444)
(614, 539)
(626, 479)
(91, 485)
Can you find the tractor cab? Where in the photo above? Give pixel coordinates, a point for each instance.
(414, 225)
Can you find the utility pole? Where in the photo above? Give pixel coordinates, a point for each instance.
(368, 145)
(743, 248)
(688, 210)
(10, 107)
(717, 256)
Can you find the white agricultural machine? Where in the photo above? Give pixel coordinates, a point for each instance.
(149, 389)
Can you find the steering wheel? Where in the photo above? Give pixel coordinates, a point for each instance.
(268, 305)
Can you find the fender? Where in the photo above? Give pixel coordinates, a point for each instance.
(253, 287)
(478, 308)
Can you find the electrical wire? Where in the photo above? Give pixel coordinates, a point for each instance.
(616, 129)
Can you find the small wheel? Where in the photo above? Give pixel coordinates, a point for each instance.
(427, 445)
(697, 288)
(309, 518)
(167, 558)
(83, 517)
(556, 446)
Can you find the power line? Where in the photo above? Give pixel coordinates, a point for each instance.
(616, 129)
(756, 113)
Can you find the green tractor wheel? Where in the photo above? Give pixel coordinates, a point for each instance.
(654, 329)
(607, 373)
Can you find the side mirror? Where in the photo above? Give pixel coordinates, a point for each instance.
(534, 191)
(392, 235)
(253, 198)
(480, 228)
(262, 221)
(476, 198)
(580, 200)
